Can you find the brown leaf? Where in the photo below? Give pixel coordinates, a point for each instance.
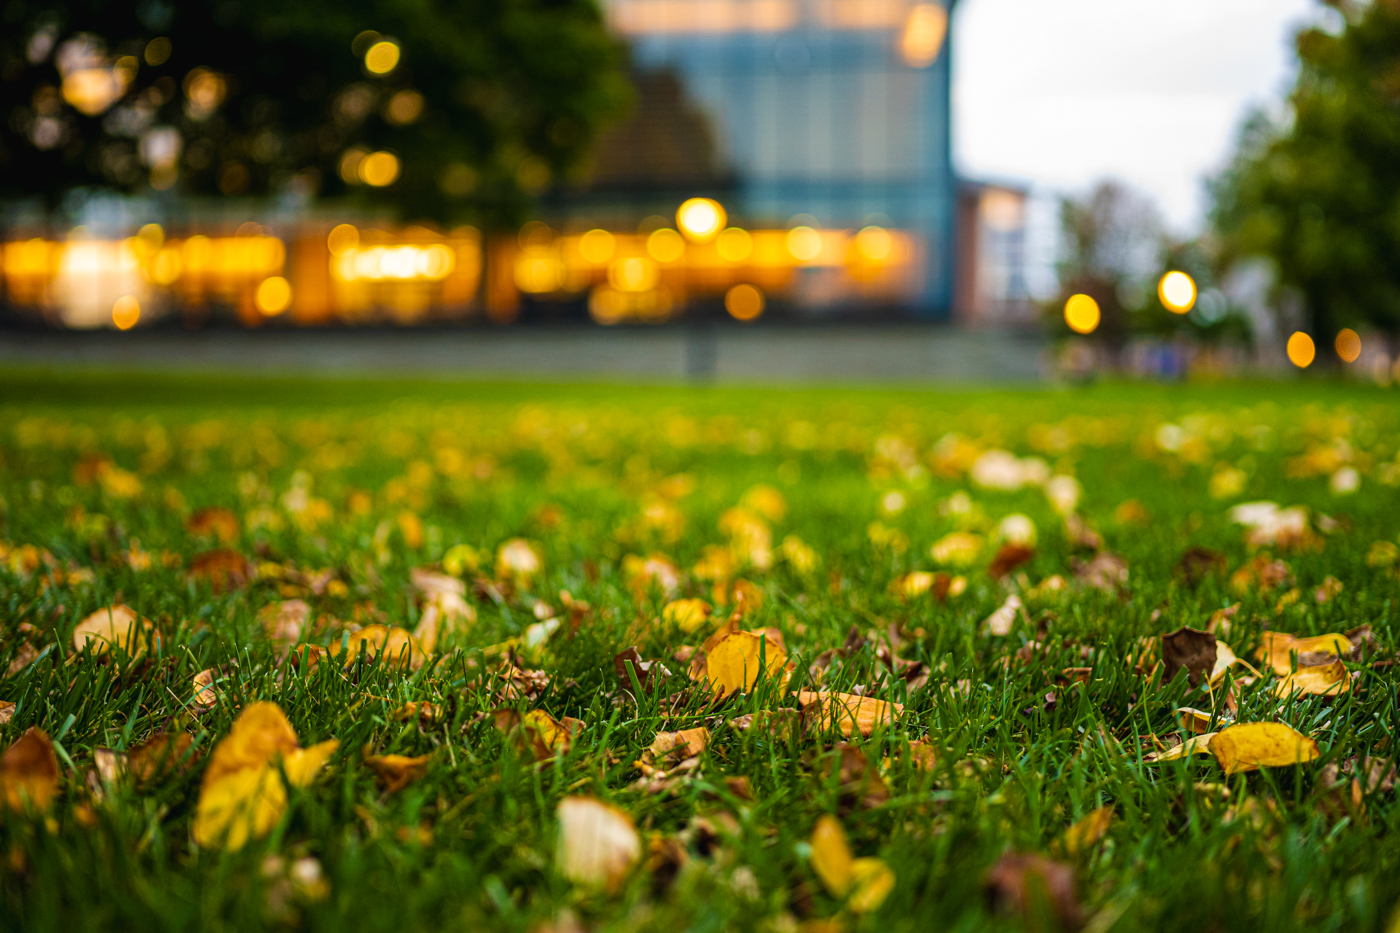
(537, 731)
(847, 712)
(1088, 830)
(7, 711)
(1260, 575)
(1198, 563)
(1220, 620)
(1279, 649)
(1008, 558)
(858, 784)
(1080, 534)
(159, 756)
(1330, 587)
(214, 521)
(205, 696)
(222, 569)
(1191, 649)
(1104, 571)
(1031, 885)
(1000, 622)
(395, 772)
(29, 772)
(649, 673)
(284, 622)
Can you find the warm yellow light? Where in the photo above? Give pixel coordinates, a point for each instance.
(743, 302)
(166, 267)
(875, 244)
(404, 107)
(634, 274)
(700, 218)
(1301, 350)
(205, 91)
(126, 312)
(1082, 314)
(158, 51)
(1177, 291)
(923, 36)
(379, 169)
(342, 238)
(804, 243)
(536, 271)
(1348, 345)
(382, 58)
(665, 245)
(93, 90)
(597, 246)
(274, 295)
(734, 245)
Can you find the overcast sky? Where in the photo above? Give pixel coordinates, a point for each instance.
(1059, 93)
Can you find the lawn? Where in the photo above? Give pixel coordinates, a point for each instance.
(358, 655)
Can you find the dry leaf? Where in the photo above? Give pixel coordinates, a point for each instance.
(213, 521)
(396, 772)
(1028, 884)
(445, 607)
(1191, 649)
(1200, 562)
(737, 659)
(1008, 558)
(29, 772)
(1319, 680)
(1001, 621)
(114, 626)
(598, 844)
(1088, 830)
(1194, 720)
(670, 754)
(1196, 745)
(1104, 571)
(1254, 745)
(426, 713)
(1219, 623)
(243, 795)
(7, 711)
(857, 783)
(204, 694)
(223, 570)
(284, 622)
(847, 712)
(540, 733)
(648, 673)
(686, 614)
(863, 882)
(394, 645)
(1279, 648)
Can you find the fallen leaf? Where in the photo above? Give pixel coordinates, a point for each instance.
(598, 844)
(736, 661)
(648, 673)
(1279, 649)
(426, 713)
(284, 621)
(537, 731)
(7, 711)
(959, 549)
(114, 626)
(847, 712)
(1330, 587)
(1001, 621)
(396, 772)
(223, 570)
(1191, 649)
(214, 521)
(864, 883)
(1254, 745)
(686, 614)
(29, 772)
(1196, 745)
(1220, 619)
(1199, 562)
(1331, 680)
(204, 694)
(394, 645)
(1087, 830)
(243, 795)
(669, 754)
(158, 756)
(1008, 557)
(1194, 720)
(857, 783)
(1029, 884)
(1104, 571)
(445, 607)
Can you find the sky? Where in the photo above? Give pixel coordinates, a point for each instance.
(1061, 93)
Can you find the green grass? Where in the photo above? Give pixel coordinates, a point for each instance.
(477, 462)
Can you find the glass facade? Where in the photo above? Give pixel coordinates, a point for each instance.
(830, 113)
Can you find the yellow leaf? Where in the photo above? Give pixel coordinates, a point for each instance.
(848, 712)
(301, 765)
(734, 663)
(1254, 745)
(686, 614)
(396, 646)
(1278, 648)
(686, 743)
(29, 771)
(204, 693)
(1088, 830)
(239, 806)
(1194, 720)
(873, 881)
(113, 626)
(1320, 680)
(598, 844)
(398, 771)
(831, 856)
(260, 734)
(1196, 745)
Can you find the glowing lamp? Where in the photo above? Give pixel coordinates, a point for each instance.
(700, 218)
(1082, 314)
(1301, 350)
(1177, 291)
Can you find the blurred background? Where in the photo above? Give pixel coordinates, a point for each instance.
(979, 189)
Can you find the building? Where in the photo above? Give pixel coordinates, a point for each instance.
(828, 114)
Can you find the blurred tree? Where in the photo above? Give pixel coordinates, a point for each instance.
(1319, 194)
(479, 104)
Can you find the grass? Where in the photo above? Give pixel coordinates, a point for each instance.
(407, 470)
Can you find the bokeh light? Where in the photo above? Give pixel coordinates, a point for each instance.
(634, 274)
(158, 51)
(597, 246)
(1177, 292)
(274, 295)
(126, 311)
(923, 36)
(1348, 345)
(874, 244)
(743, 302)
(379, 169)
(1301, 350)
(665, 245)
(734, 245)
(700, 218)
(1082, 314)
(804, 243)
(382, 57)
(404, 108)
(342, 238)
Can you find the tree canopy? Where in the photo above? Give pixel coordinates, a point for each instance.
(1319, 194)
(444, 108)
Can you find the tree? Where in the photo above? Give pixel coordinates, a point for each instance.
(444, 108)
(1319, 194)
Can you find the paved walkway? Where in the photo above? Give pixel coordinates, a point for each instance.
(879, 353)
